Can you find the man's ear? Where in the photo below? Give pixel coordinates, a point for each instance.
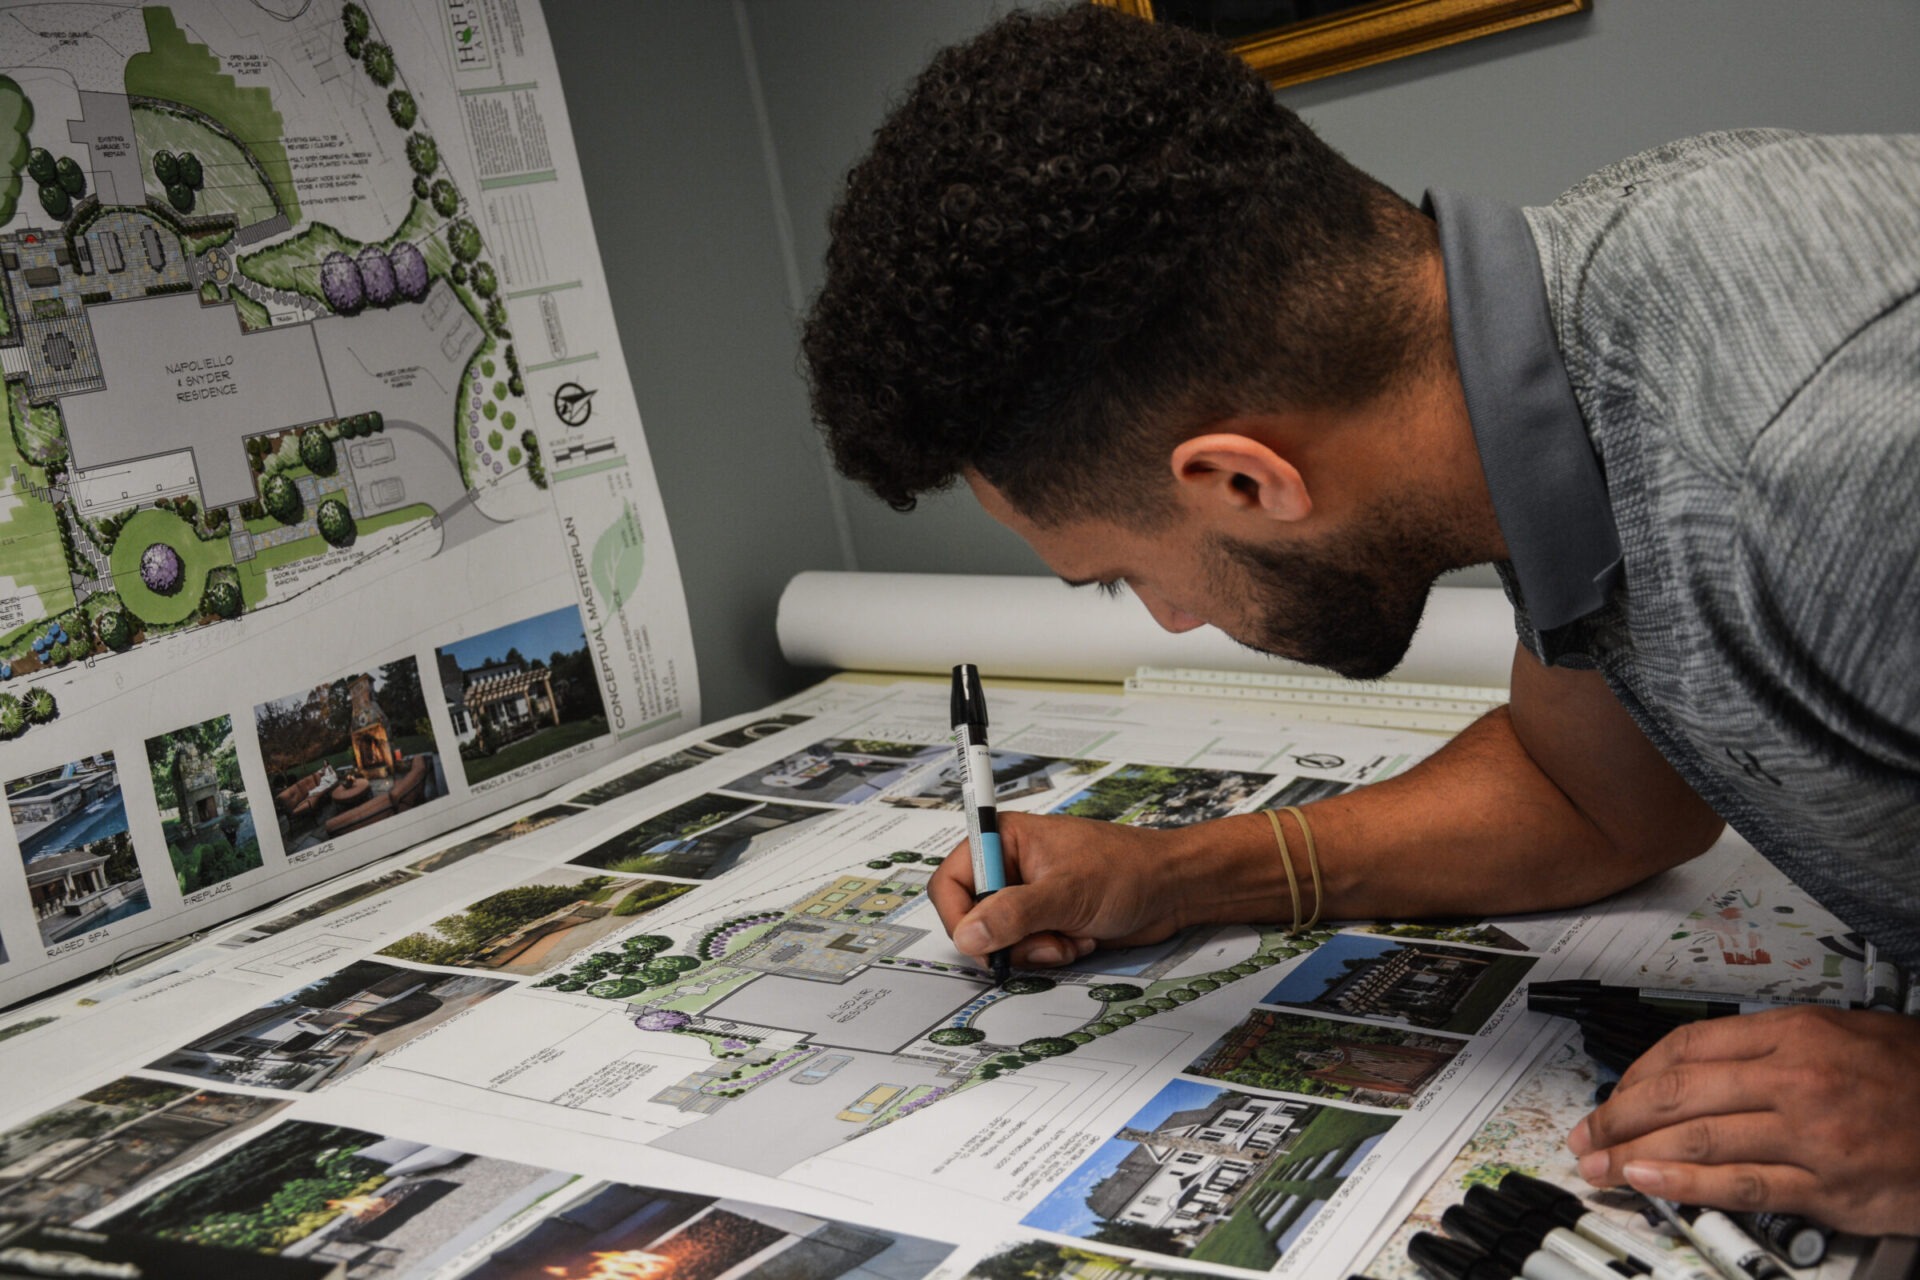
(1245, 474)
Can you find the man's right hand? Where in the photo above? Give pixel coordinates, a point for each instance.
(1072, 884)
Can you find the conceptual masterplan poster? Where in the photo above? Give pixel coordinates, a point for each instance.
(326, 518)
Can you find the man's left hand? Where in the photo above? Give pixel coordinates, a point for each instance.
(1807, 1110)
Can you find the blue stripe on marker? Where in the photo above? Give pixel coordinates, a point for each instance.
(994, 875)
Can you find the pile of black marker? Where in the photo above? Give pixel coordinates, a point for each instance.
(1532, 1230)
(1535, 1231)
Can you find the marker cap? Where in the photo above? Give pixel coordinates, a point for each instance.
(1515, 1211)
(969, 702)
(1446, 1259)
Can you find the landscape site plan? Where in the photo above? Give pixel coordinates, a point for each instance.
(326, 517)
(693, 1017)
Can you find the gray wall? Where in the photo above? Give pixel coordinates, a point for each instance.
(711, 214)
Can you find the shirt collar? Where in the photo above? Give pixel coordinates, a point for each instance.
(1549, 493)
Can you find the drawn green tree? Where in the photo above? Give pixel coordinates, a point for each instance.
(316, 453)
(113, 628)
(222, 598)
(423, 154)
(281, 497)
(41, 707)
(378, 60)
(402, 108)
(464, 239)
(336, 523)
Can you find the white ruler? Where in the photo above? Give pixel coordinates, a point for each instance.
(1392, 704)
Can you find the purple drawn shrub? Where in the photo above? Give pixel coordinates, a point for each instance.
(161, 570)
(376, 270)
(661, 1020)
(409, 271)
(341, 285)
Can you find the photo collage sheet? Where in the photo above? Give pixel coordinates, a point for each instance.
(699, 1009)
(326, 519)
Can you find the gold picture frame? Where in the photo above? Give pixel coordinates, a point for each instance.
(1366, 33)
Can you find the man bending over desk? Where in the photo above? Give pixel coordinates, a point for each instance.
(1171, 339)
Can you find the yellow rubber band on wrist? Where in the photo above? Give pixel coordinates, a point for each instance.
(1286, 860)
(1313, 866)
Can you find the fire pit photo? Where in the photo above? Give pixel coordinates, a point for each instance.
(345, 755)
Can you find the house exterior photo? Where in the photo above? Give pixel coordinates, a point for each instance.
(1184, 1175)
(508, 699)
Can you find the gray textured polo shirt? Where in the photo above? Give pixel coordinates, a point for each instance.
(1717, 502)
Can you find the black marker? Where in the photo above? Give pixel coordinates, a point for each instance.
(1445, 1259)
(969, 707)
(1567, 997)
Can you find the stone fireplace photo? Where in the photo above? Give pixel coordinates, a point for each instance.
(350, 753)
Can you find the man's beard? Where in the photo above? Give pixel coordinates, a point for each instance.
(1351, 606)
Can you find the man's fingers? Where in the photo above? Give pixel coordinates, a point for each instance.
(1753, 1035)
(1681, 1093)
(1744, 1138)
(1773, 1187)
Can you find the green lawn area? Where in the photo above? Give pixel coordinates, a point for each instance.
(1243, 1239)
(253, 316)
(1495, 985)
(232, 186)
(175, 69)
(536, 747)
(30, 551)
(253, 573)
(146, 528)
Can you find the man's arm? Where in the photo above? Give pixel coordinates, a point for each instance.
(1555, 800)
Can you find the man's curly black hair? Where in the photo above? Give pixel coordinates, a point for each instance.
(1080, 236)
